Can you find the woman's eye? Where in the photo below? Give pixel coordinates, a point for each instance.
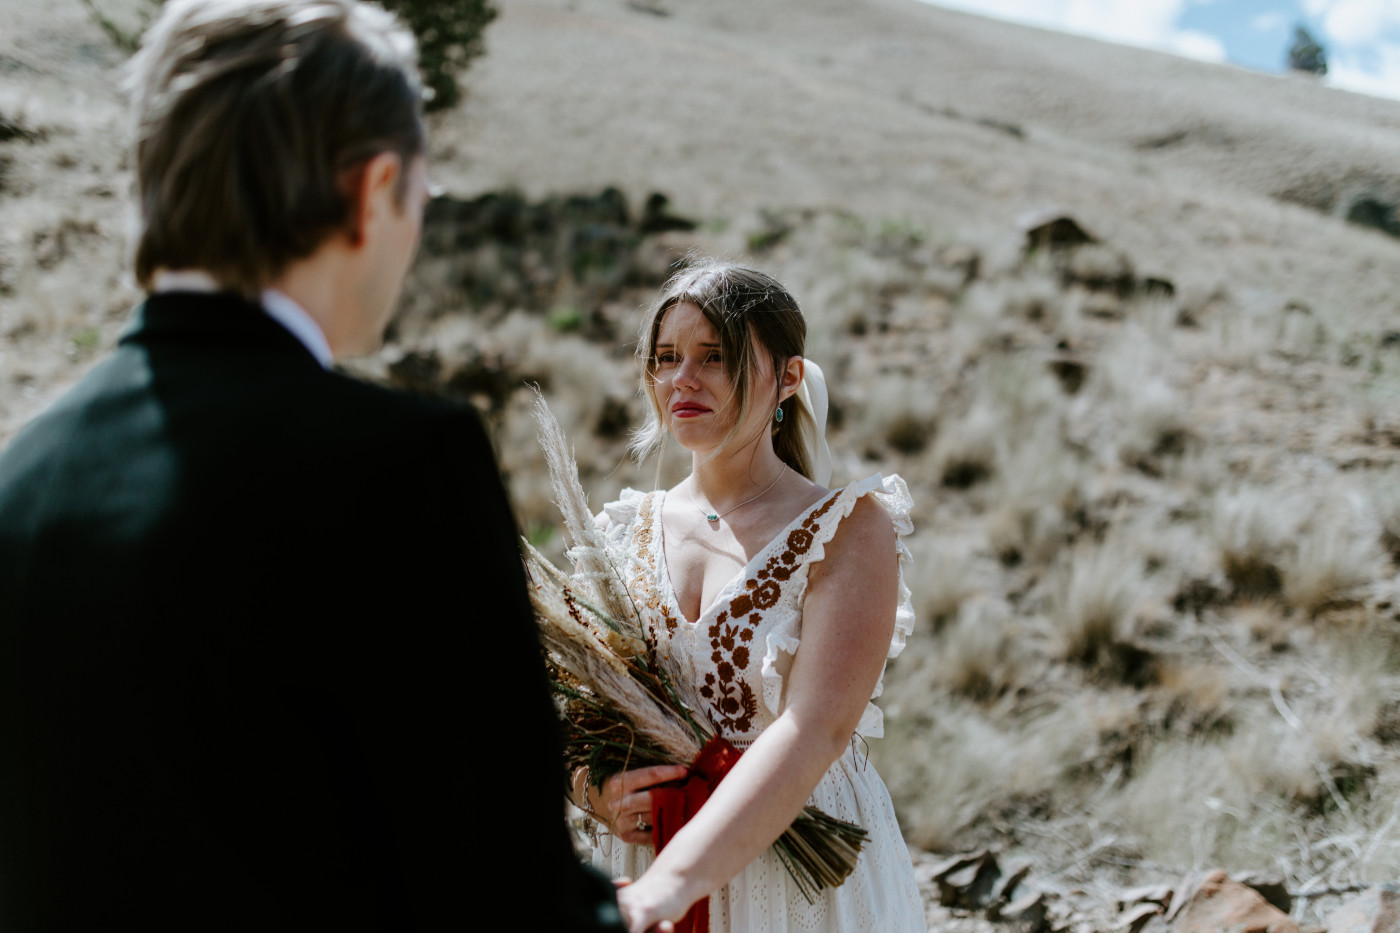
(663, 359)
(714, 357)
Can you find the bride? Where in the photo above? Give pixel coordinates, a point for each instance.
(780, 598)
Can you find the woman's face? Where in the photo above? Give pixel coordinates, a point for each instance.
(692, 383)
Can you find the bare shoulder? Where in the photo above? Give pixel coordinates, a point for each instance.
(853, 590)
(868, 521)
(865, 541)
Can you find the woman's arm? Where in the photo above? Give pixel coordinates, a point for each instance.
(847, 623)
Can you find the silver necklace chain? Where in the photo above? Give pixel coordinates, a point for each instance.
(716, 516)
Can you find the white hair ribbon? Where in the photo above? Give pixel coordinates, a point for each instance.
(812, 395)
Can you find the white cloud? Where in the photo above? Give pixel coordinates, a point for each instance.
(1198, 45)
(1359, 22)
(1271, 21)
(1362, 38)
(1345, 72)
(1149, 23)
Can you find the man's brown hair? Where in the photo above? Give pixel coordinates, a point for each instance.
(253, 117)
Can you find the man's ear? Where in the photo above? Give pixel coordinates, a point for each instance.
(791, 377)
(372, 188)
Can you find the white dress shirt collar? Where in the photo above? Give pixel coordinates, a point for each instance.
(278, 306)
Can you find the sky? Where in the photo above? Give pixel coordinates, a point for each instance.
(1362, 37)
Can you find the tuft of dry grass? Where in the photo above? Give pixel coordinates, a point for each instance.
(1014, 407)
(1037, 483)
(898, 413)
(1385, 499)
(1332, 556)
(1197, 695)
(1251, 527)
(977, 760)
(964, 453)
(979, 655)
(1131, 383)
(1095, 588)
(946, 580)
(1196, 803)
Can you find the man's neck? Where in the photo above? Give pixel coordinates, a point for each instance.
(318, 285)
(278, 305)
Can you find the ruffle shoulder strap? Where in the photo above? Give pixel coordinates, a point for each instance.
(893, 496)
(622, 512)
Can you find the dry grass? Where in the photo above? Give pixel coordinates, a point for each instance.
(1133, 382)
(1224, 479)
(977, 761)
(1252, 527)
(1095, 590)
(1194, 803)
(947, 580)
(979, 655)
(1385, 498)
(899, 413)
(1037, 484)
(1334, 555)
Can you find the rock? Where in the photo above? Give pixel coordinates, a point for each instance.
(1374, 212)
(1159, 894)
(1156, 287)
(650, 7)
(966, 881)
(1005, 888)
(1100, 268)
(657, 219)
(1376, 910)
(1273, 888)
(11, 129)
(1135, 919)
(1026, 914)
(1219, 904)
(1070, 371)
(951, 864)
(1044, 230)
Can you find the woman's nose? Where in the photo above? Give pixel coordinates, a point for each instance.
(686, 372)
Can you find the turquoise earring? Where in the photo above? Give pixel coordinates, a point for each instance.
(778, 415)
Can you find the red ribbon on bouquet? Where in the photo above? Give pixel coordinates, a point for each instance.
(673, 804)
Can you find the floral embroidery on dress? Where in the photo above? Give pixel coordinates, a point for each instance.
(755, 643)
(730, 695)
(643, 582)
(733, 700)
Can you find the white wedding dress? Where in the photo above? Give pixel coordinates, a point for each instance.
(738, 653)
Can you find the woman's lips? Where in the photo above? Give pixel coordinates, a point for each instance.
(688, 410)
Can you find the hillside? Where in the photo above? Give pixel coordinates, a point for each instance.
(1157, 475)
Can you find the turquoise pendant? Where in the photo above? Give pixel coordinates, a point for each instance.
(712, 517)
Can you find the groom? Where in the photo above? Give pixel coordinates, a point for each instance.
(266, 658)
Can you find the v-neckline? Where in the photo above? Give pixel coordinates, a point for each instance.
(743, 572)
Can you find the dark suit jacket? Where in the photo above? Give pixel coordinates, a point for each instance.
(266, 661)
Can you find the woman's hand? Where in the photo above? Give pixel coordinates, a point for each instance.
(624, 803)
(646, 909)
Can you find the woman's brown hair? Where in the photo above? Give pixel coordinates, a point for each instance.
(753, 314)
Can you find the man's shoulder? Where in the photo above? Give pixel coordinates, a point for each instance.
(362, 407)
